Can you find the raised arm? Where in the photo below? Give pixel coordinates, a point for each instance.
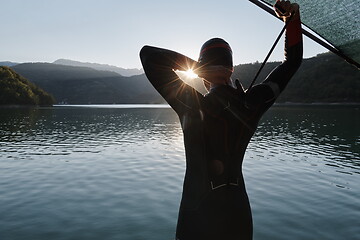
(264, 94)
(159, 66)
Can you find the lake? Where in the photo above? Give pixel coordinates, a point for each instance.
(116, 172)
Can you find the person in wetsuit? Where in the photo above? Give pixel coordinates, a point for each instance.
(217, 128)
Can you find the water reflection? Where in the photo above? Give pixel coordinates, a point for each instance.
(328, 134)
(65, 131)
(112, 173)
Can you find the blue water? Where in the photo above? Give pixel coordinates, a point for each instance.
(114, 172)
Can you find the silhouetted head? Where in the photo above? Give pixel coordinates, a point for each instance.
(216, 64)
(216, 52)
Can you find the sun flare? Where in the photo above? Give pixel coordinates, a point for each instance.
(190, 74)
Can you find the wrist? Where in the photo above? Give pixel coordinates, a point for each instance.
(295, 17)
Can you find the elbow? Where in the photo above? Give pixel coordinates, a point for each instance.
(293, 64)
(145, 50)
(297, 62)
(299, 58)
(144, 53)
(149, 55)
(294, 56)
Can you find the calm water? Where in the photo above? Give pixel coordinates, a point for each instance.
(116, 173)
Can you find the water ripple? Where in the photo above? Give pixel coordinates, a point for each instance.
(103, 173)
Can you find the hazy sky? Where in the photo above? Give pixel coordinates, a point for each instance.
(113, 31)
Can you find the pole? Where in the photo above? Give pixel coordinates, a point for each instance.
(268, 55)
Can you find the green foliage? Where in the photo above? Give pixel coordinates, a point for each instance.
(14, 89)
(325, 78)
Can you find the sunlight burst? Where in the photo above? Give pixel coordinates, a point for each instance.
(190, 74)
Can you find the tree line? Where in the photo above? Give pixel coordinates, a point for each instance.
(322, 79)
(16, 90)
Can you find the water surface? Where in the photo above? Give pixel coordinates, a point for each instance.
(109, 172)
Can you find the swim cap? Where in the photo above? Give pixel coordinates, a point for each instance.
(216, 51)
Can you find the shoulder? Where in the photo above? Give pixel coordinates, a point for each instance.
(262, 94)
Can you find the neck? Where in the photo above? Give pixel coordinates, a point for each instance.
(220, 82)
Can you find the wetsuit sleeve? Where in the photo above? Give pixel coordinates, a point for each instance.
(263, 95)
(159, 66)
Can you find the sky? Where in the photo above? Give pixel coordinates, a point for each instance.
(113, 31)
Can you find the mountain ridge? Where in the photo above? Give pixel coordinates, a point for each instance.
(8, 63)
(84, 85)
(127, 72)
(322, 79)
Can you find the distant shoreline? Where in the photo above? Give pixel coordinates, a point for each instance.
(318, 104)
(130, 105)
(151, 105)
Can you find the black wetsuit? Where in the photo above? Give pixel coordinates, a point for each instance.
(217, 128)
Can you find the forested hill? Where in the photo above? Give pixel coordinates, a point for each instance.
(322, 79)
(16, 90)
(84, 85)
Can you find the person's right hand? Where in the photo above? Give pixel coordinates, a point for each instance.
(287, 10)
